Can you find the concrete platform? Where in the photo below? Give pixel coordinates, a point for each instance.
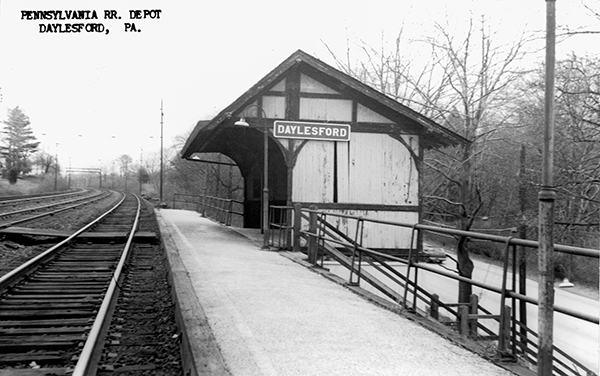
(250, 312)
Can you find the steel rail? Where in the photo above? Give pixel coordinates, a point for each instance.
(91, 199)
(46, 206)
(14, 199)
(82, 368)
(25, 268)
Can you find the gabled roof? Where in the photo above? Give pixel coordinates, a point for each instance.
(433, 134)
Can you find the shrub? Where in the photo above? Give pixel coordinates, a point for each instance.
(13, 175)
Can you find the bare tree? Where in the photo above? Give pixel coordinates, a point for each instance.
(212, 174)
(45, 160)
(593, 9)
(578, 146)
(463, 85)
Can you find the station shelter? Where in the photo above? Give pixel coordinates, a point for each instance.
(331, 140)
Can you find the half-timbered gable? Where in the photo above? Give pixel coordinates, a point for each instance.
(306, 106)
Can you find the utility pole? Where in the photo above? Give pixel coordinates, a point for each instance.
(140, 170)
(161, 151)
(546, 197)
(522, 259)
(56, 168)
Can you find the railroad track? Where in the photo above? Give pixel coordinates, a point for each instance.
(10, 203)
(11, 200)
(34, 210)
(51, 305)
(143, 337)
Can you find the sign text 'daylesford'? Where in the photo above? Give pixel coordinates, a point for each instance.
(312, 131)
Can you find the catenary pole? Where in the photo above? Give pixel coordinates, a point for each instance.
(161, 152)
(546, 197)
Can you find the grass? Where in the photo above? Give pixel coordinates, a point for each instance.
(30, 184)
(21, 187)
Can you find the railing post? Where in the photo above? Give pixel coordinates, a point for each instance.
(297, 225)
(473, 309)
(360, 225)
(288, 234)
(217, 208)
(273, 221)
(502, 342)
(229, 211)
(220, 210)
(504, 332)
(463, 320)
(434, 306)
(223, 211)
(312, 238)
(408, 266)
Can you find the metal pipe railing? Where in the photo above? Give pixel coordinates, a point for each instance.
(220, 209)
(321, 232)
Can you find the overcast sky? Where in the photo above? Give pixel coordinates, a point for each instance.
(98, 95)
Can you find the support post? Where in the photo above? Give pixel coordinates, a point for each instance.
(546, 207)
(297, 226)
(229, 212)
(434, 307)
(161, 154)
(265, 198)
(463, 320)
(312, 238)
(473, 309)
(522, 255)
(504, 334)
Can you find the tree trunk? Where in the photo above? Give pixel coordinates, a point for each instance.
(465, 264)
(465, 269)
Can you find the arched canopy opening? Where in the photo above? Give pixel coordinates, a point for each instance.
(245, 147)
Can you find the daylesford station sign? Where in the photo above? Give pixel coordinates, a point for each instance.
(311, 131)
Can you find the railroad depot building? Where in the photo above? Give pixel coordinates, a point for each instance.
(332, 141)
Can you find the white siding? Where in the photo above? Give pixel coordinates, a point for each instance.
(313, 173)
(325, 109)
(376, 235)
(371, 169)
(364, 114)
(280, 86)
(309, 85)
(381, 171)
(343, 177)
(274, 107)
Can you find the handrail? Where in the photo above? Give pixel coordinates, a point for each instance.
(220, 209)
(507, 240)
(323, 236)
(472, 234)
(203, 196)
